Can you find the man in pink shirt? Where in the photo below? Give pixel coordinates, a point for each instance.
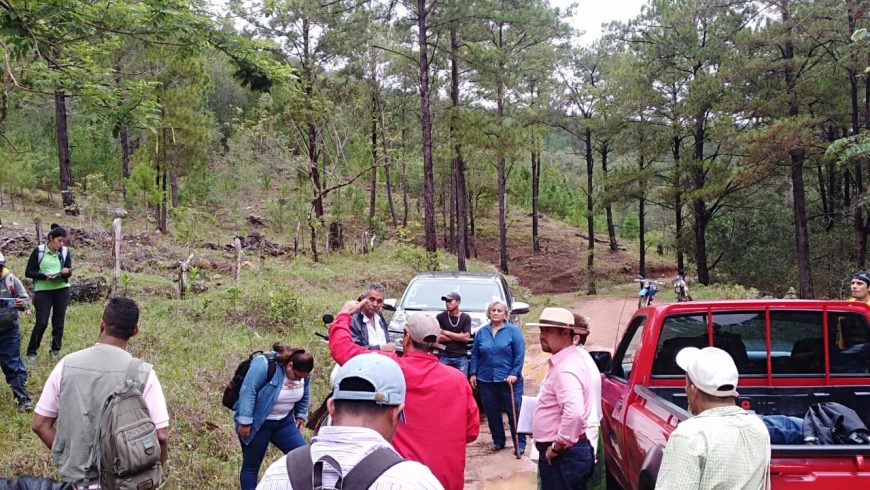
(559, 422)
(440, 412)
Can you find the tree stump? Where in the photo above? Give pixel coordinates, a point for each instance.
(89, 289)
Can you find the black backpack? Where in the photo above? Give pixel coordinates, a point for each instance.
(307, 476)
(231, 392)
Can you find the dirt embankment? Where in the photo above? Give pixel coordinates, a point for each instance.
(485, 470)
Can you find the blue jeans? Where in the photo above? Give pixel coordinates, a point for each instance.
(459, 362)
(282, 433)
(10, 361)
(496, 398)
(569, 470)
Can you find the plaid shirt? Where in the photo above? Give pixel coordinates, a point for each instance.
(722, 448)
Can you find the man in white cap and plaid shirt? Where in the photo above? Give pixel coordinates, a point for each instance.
(722, 446)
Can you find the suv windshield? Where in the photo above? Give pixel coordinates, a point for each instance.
(425, 294)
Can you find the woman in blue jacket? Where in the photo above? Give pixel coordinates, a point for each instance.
(272, 410)
(497, 356)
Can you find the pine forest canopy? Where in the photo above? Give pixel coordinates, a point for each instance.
(731, 135)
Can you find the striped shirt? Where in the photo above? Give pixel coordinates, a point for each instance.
(722, 448)
(348, 445)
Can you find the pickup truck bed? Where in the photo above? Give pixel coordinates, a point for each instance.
(780, 349)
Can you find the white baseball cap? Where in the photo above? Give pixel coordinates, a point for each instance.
(711, 369)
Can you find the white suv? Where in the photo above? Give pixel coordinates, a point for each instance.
(425, 290)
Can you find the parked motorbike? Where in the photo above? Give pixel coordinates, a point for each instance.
(680, 288)
(648, 290)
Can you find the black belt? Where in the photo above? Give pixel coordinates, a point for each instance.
(542, 446)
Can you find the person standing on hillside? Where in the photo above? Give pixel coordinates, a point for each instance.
(272, 410)
(860, 287)
(13, 298)
(564, 404)
(455, 332)
(78, 387)
(722, 446)
(50, 267)
(497, 357)
(368, 327)
(366, 410)
(440, 409)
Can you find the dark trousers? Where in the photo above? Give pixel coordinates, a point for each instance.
(47, 303)
(282, 433)
(496, 398)
(569, 470)
(10, 361)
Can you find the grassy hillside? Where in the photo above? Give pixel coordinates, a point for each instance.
(196, 343)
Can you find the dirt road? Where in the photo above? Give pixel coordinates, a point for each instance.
(502, 471)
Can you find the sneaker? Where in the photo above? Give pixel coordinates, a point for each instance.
(53, 353)
(25, 404)
(30, 358)
(496, 447)
(519, 452)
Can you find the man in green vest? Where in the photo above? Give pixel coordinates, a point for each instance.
(80, 384)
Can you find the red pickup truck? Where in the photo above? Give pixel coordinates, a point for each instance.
(790, 354)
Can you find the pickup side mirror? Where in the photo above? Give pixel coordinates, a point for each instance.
(519, 308)
(602, 359)
(390, 304)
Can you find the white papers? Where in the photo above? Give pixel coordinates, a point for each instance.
(527, 411)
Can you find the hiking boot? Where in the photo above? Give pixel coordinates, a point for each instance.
(30, 358)
(25, 404)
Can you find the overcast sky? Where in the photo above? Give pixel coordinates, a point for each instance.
(590, 14)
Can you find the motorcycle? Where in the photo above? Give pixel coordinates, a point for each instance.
(648, 290)
(681, 289)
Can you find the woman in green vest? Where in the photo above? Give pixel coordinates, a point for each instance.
(50, 267)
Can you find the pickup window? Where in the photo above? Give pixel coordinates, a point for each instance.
(623, 361)
(797, 341)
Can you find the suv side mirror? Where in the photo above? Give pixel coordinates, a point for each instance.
(390, 304)
(519, 308)
(603, 360)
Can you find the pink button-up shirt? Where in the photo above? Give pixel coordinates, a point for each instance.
(564, 399)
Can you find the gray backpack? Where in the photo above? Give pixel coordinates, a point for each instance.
(307, 476)
(129, 449)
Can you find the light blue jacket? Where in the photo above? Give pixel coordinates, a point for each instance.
(257, 396)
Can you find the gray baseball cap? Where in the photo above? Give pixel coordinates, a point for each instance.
(383, 373)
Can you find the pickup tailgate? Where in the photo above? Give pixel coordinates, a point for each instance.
(839, 467)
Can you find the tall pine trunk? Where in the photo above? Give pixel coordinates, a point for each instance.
(458, 163)
(426, 127)
(797, 157)
(608, 209)
(374, 178)
(590, 217)
(678, 205)
(124, 141)
(536, 185)
(63, 158)
(699, 205)
(387, 161)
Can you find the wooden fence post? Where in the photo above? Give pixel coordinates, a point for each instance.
(237, 244)
(262, 252)
(116, 253)
(182, 275)
(39, 235)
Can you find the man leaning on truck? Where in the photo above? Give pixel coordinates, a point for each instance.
(722, 446)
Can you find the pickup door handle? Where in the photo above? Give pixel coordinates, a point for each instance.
(619, 405)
